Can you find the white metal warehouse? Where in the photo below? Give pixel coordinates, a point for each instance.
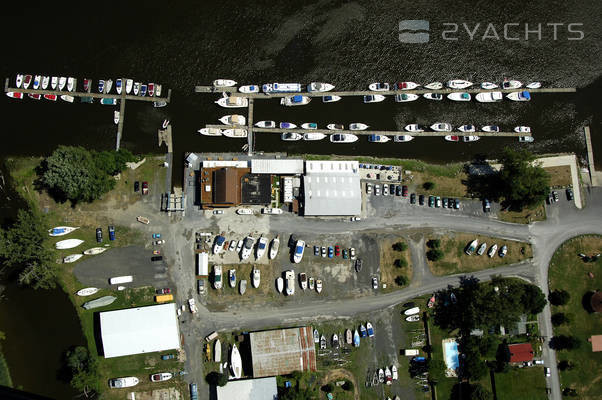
(139, 330)
(332, 188)
(277, 166)
(249, 389)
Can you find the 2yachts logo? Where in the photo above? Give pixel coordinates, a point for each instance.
(418, 31)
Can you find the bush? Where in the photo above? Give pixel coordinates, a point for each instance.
(401, 280)
(400, 246)
(434, 255)
(401, 263)
(559, 297)
(348, 385)
(563, 342)
(327, 388)
(565, 365)
(216, 379)
(559, 319)
(428, 185)
(433, 244)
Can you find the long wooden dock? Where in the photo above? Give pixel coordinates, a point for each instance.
(250, 129)
(213, 89)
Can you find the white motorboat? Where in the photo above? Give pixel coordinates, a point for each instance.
(480, 252)
(381, 375)
(413, 128)
(379, 87)
(161, 376)
(370, 329)
(511, 84)
(233, 119)
(291, 136)
(519, 96)
(343, 138)
(311, 283)
(319, 87)
(242, 286)
(72, 258)
(413, 318)
(488, 85)
(217, 351)
(249, 89)
(299, 249)
(526, 139)
(68, 244)
(116, 117)
(235, 133)
(452, 138)
(35, 96)
(158, 88)
(165, 124)
(280, 284)
(406, 85)
(45, 82)
(357, 126)
(262, 246)
(378, 138)
(37, 81)
(434, 86)
(281, 88)
(129, 84)
(319, 285)
(458, 84)
(235, 362)
(217, 277)
(412, 311)
(472, 246)
(388, 377)
(256, 277)
(266, 124)
(271, 211)
(61, 230)
(335, 127)
(210, 131)
(119, 85)
(433, 96)
(490, 128)
(70, 84)
(247, 247)
(374, 98)
(136, 88)
(62, 82)
(287, 125)
(67, 98)
(19, 80)
(470, 138)
(95, 250)
(330, 99)
(54, 81)
(459, 96)
(441, 127)
(274, 245)
(522, 129)
(232, 278)
(403, 138)
(118, 383)
(108, 85)
(87, 291)
(221, 83)
(503, 251)
(489, 97)
(218, 246)
(27, 81)
(311, 136)
(309, 125)
(533, 85)
(303, 280)
(492, 251)
(296, 100)
(244, 211)
(467, 128)
(290, 282)
(233, 102)
(405, 97)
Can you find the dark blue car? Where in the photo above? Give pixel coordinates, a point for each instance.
(111, 232)
(330, 251)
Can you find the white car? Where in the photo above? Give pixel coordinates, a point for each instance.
(192, 305)
(299, 249)
(355, 219)
(239, 246)
(217, 212)
(374, 282)
(352, 253)
(546, 370)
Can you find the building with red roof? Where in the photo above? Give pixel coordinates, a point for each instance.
(520, 352)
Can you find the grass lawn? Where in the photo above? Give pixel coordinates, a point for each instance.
(526, 216)
(443, 387)
(568, 272)
(456, 261)
(559, 176)
(520, 384)
(388, 268)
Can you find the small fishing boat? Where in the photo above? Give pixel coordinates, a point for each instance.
(526, 139)
(233, 102)
(379, 86)
(100, 302)
(488, 85)
(222, 83)
(160, 377)
(402, 138)
(310, 136)
(68, 244)
(72, 258)
(136, 88)
(533, 85)
(335, 127)
(235, 361)
(459, 96)
(101, 86)
(378, 138)
(413, 318)
(108, 102)
(62, 82)
(280, 284)
(19, 80)
(414, 128)
(388, 377)
(108, 85)
(266, 124)
(129, 84)
(274, 248)
(467, 139)
(406, 97)
(51, 97)
(431, 302)
(210, 131)
(217, 277)
(37, 80)
(291, 136)
(330, 99)
(118, 86)
(158, 88)
(375, 378)
(316, 336)
(256, 277)
(433, 96)
(405, 85)
(441, 127)
(374, 98)
(165, 124)
(358, 265)
(322, 342)
(452, 138)
(343, 138)
(143, 89)
(244, 211)
(71, 84)
(522, 129)
(489, 97)
(335, 341)
(490, 128)
(511, 84)
(458, 84)
(249, 89)
(412, 311)
(87, 291)
(234, 119)
(363, 331)
(67, 98)
(370, 329)
(45, 82)
(394, 373)
(119, 383)
(87, 84)
(519, 96)
(309, 125)
(319, 87)
(95, 250)
(311, 282)
(262, 246)
(319, 285)
(467, 128)
(158, 104)
(242, 286)
(381, 375)
(303, 280)
(356, 338)
(348, 336)
(35, 96)
(503, 251)
(482, 249)
(357, 126)
(27, 81)
(492, 251)
(232, 278)
(217, 351)
(434, 86)
(235, 133)
(296, 100)
(142, 220)
(471, 247)
(54, 81)
(151, 89)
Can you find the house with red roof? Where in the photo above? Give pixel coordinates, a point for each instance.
(520, 352)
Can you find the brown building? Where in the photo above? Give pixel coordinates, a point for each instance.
(230, 186)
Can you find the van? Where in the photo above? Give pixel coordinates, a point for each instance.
(121, 279)
(410, 352)
(211, 336)
(546, 370)
(538, 362)
(164, 298)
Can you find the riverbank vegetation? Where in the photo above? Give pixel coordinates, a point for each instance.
(5, 379)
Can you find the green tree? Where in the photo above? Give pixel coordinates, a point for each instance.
(428, 185)
(559, 319)
(84, 370)
(401, 280)
(216, 378)
(478, 392)
(563, 342)
(327, 388)
(565, 365)
(523, 184)
(559, 297)
(532, 299)
(433, 243)
(400, 246)
(434, 255)
(401, 263)
(348, 385)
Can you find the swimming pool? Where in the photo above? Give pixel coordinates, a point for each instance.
(450, 353)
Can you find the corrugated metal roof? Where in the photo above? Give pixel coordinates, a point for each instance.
(276, 166)
(326, 194)
(332, 167)
(249, 389)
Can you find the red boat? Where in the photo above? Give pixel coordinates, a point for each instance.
(151, 89)
(452, 138)
(35, 96)
(27, 81)
(15, 95)
(51, 97)
(86, 85)
(431, 302)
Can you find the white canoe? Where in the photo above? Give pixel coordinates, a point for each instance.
(280, 284)
(210, 131)
(235, 362)
(95, 250)
(224, 83)
(72, 258)
(87, 291)
(357, 126)
(68, 244)
(61, 230)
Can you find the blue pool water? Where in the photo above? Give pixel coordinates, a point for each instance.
(451, 355)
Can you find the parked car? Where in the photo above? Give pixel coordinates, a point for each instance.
(345, 254)
(136, 186)
(144, 187)
(538, 362)
(374, 282)
(555, 194)
(413, 198)
(156, 236)
(421, 199)
(377, 190)
(218, 212)
(330, 251)
(158, 242)
(163, 291)
(337, 250)
(404, 190)
(316, 251)
(167, 357)
(323, 251)
(352, 253)
(385, 189)
(398, 190)
(569, 194)
(99, 235)
(156, 252)
(457, 204)
(546, 371)
(200, 284)
(445, 202)
(157, 258)
(486, 205)
(438, 202)
(368, 188)
(111, 232)
(355, 219)
(392, 189)
(431, 201)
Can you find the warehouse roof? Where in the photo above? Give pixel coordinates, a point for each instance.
(139, 330)
(277, 166)
(332, 194)
(249, 389)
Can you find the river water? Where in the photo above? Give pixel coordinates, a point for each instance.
(349, 44)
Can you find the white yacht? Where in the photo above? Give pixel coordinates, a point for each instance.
(235, 133)
(296, 100)
(489, 97)
(522, 129)
(403, 138)
(233, 102)
(458, 84)
(222, 83)
(490, 128)
(234, 119)
(433, 96)
(441, 127)
(249, 89)
(311, 136)
(357, 126)
(459, 96)
(374, 98)
(210, 131)
(319, 87)
(379, 87)
(343, 138)
(488, 85)
(519, 96)
(413, 128)
(291, 136)
(330, 99)
(266, 124)
(405, 97)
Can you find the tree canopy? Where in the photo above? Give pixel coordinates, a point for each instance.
(83, 369)
(523, 184)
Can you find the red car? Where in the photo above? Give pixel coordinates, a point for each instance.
(164, 291)
(337, 250)
(404, 191)
(145, 187)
